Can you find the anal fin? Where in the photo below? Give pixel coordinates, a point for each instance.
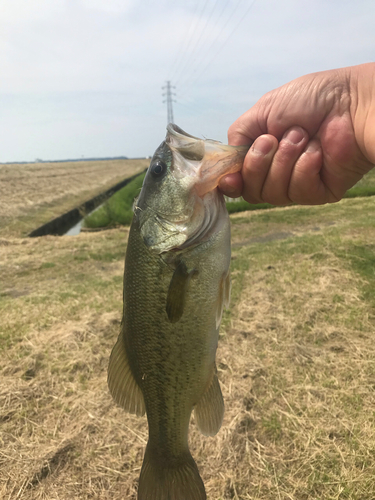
(209, 411)
(121, 382)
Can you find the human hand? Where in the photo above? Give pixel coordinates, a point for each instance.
(310, 141)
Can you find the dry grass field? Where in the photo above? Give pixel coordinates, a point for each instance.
(32, 194)
(296, 362)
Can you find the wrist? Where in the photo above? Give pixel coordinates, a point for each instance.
(362, 93)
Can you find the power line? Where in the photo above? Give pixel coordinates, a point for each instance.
(191, 107)
(196, 44)
(225, 4)
(217, 37)
(182, 59)
(220, 49)
(187, 38)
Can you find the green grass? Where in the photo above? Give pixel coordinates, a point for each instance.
(361, 258)
(359, 191)
(365, 187)
(118, 210)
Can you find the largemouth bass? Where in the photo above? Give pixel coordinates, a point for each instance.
(176, 283)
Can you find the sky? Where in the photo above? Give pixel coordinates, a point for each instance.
(84, 78)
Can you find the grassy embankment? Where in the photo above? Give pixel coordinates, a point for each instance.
(118, 209)
(296, 362)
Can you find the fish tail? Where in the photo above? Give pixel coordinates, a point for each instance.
(163, 479)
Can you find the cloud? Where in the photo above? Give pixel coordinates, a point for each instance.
(99, 62)
(109, 6)
(21, 11)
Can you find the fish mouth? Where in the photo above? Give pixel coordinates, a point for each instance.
(177, 132)
(207, 160)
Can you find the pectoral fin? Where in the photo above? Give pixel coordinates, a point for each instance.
(121, 382)
(223, 298)
(209, 411)
(178, 288)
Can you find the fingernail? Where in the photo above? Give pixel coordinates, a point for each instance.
(262, 145)
(294, 135)
(312, 147)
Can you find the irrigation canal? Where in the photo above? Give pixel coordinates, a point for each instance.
(70, 223)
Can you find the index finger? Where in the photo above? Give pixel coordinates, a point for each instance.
(245, 129)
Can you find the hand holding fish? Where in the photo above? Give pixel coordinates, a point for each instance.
(314, 138)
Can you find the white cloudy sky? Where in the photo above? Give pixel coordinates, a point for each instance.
(84, 77)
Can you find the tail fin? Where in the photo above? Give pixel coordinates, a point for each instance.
(175, 480)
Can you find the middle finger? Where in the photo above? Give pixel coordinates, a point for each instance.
(276, 185)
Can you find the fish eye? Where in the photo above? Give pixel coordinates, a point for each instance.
(158, 168)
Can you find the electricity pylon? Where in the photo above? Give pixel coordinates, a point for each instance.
(169, 101)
